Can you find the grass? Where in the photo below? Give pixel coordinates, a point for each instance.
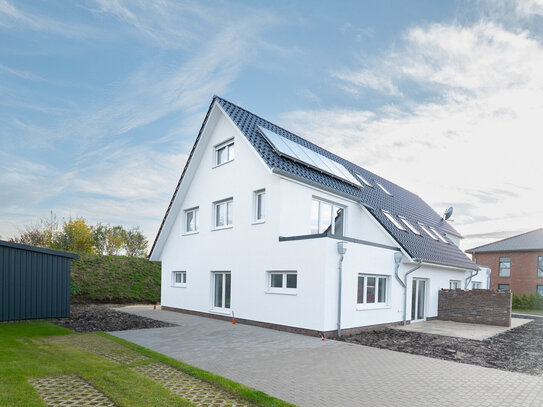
(115, 279)
(25, 352)
(528, 311)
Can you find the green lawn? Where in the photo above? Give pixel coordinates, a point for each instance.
(528, 311)
(25, 352)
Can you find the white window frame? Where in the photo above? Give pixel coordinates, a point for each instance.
(256, 194)
(427, 231)
(457, 283)
(223, 309)
(334, 208)
(372, 305)
(391, 218)
(228, 147)
(196, 211)
(383, 188)
(479, 285)
(283, 289)
(183, 275)
(500, 266)
(364, 180)
(229, 211)
(439, 235)
(409, 225)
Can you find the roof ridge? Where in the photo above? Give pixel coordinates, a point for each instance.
(503, 240)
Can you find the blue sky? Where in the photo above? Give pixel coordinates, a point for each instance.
(100, 101)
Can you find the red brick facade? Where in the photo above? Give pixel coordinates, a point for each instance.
(523, 274)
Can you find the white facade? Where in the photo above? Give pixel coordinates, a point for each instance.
(249, 248)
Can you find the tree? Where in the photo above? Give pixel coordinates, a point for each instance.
(42, 234)
(99, 237)
(115, 239)
(76, 236)
(135, 243)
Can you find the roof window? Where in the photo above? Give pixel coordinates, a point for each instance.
(409, 225)
(393, 220)
(439, 235)
(383, 188)
(427, 231)
(364, 180)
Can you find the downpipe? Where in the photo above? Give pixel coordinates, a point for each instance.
(342, 249)
(397, 260)
(468, 279)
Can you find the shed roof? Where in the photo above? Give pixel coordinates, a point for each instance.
(38, 249)
(529, 241)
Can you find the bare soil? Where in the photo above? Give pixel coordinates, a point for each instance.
(517, 350)
(102, 317)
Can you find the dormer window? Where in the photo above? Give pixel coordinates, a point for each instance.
(224, 152)
(327, 217)
(393, 220)
(383, 188)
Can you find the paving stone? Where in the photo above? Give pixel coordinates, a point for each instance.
(68, 390)
(188, 387)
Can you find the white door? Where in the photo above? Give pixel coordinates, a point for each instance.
(221, 290)
(418, 300)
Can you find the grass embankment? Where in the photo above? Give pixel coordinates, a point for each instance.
(528, 311)
(115, 279)
(25, 354)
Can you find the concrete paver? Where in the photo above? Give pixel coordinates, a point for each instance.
(308, 372)
(477, 332)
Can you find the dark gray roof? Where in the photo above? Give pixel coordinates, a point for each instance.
(402, 202)
(38, 249)
(529, 241)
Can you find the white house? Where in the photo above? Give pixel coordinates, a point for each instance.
(260, 218)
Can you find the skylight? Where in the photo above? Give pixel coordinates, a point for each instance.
(393, 220)
(439, 235)
(303, 154)
(383, 188)
(409, 225)
(363, 179)
(427, 231)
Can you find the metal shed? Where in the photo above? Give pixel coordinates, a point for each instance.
(34, 282)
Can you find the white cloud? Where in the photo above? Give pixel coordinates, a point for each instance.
(474, 143)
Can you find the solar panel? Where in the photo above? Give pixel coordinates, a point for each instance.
(309, 157)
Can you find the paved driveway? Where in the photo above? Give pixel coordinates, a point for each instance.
(308, 372)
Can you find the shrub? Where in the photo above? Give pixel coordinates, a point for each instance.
(531, 301)
(524, 301)
(516, 301)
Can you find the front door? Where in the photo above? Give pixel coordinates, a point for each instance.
(418, 300)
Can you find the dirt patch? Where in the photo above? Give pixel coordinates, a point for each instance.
(517, 350)
(101, 317)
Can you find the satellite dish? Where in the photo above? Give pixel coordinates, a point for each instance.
(448, 213)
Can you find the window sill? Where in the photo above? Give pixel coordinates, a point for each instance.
(259, 222)
(282, 292)
(179, 285)
(222, 228)
(371, 307)
(221, 164)
(220, 311)
(191, 233)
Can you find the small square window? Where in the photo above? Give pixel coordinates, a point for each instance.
(223, 213)
(259, 205)
(179, 278)
(224, 152)
(454, 284)
(191, 220)
(505, 267)
(503, 287)
(285, 282)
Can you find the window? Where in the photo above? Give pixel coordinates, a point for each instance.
(454, 284)
(372, 289)
(223, 213)
(259, 208)
(224, 152)
(505, 267)
(362, 179)
(476, 285)
(282, 282)
(383, 188)
(503, 287)
(221, 290)
(393, 220)
(409, 225)
(427, 231)
(439, 235)
(327, 217)
(539, 290)
(540, 266)
(191, 220)
(179, 279)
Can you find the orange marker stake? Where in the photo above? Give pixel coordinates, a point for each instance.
(233, 319)
(154, 307)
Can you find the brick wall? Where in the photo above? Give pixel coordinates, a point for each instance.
(523, 279)
(476, 306)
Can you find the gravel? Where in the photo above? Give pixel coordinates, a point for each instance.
(102, 317)
(517, 350)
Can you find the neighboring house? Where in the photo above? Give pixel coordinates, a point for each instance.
(255, 233)
(516, 262)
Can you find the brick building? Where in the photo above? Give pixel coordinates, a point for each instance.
(516, 263)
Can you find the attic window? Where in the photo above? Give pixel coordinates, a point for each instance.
(439, 235)
(409, 225)
(383, 188)
(427, 231)
(364, 180)
(393, 220)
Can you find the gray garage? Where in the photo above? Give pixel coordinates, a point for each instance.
(34, 282)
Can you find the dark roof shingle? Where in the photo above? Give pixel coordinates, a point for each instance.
(529, 241)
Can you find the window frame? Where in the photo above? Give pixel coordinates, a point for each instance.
(223, 309)
(196, 211)
(537, 289)
(458, 284)
(386, 191)
(283, 289)
(377, 304)
(480, 287)
(408, 224)
(334, 207)
(500, 266)
(439, 235)
(393, 220)
(539, 266)
(501, 289)
(256, 194)
(229, 148)
(427, 231)
(229, 215)
(174, 282)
